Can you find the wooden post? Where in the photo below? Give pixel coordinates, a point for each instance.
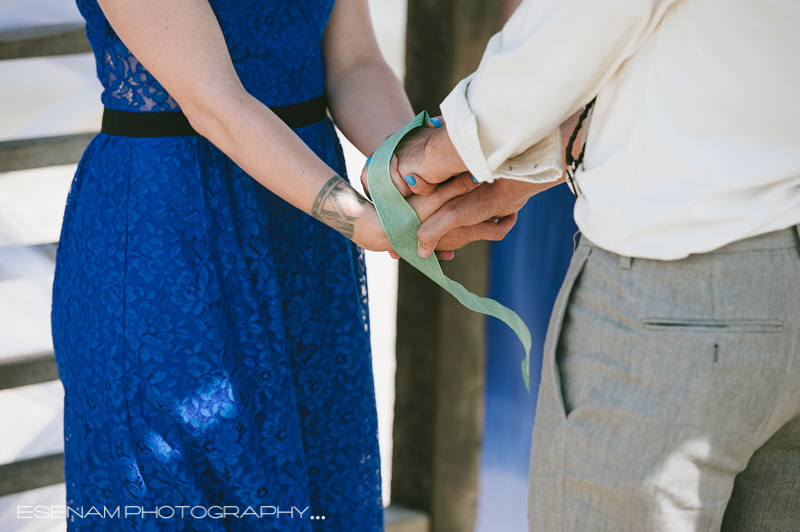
(40, 41)
(440, 344)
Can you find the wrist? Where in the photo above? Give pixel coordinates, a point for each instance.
(369, 233)
(516, 193)
(441, 148)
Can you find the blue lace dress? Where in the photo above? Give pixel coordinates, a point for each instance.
(213, 341)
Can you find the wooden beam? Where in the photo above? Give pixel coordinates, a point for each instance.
(40, 152)
(30, 474)
(40, 41)
(440, 344)
(28, 369)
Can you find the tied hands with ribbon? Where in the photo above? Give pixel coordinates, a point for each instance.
(439, 197)
(426, 162)
(434, 200)
(454, 211)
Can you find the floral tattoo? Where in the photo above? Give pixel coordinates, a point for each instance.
(330, 205)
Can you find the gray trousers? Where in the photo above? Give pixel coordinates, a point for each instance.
(670, 394)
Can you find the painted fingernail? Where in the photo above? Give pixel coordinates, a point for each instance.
(473, 178)
(410, 180)
(436, 122)
(368, 160)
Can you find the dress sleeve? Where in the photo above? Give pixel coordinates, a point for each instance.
(551, 58)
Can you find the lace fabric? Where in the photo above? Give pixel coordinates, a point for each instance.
(213, 340)
(275, 47)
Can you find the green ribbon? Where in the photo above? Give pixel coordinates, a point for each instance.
(401, 223)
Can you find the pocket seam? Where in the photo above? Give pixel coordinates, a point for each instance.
(560, 311)
(717, 325)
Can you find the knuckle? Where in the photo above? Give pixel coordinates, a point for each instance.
(423, 234)
(401, 186)
(496, 205)
(461, 186)
(429, 236)
(460, 237)
(494, 231)
(450, 215)
(500, 232)
(424, 189)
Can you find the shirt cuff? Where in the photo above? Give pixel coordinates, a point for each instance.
(540, 163)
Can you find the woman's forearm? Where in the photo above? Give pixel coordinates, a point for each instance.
(368, 102)
(365, 98)
(259, 142)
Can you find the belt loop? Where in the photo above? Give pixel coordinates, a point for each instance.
(625, 263)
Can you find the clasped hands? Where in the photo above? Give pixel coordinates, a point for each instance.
(454, 209)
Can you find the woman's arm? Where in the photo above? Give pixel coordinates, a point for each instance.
(365, 98)
(181, 44)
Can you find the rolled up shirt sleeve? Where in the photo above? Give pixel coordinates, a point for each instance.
(551, 58)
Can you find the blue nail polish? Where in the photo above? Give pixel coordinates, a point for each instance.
(436, 122)
(410, 180)
(473, 178)
(368, 160)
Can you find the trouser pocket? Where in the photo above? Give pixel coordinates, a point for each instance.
(551, 379)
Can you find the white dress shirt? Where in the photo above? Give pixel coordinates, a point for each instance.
(695, 137)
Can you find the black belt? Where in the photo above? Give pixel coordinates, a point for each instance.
(175, 123)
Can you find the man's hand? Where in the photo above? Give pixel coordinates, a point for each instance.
(457, 222)
(426, 206)
(471, 216)
(427, 158)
